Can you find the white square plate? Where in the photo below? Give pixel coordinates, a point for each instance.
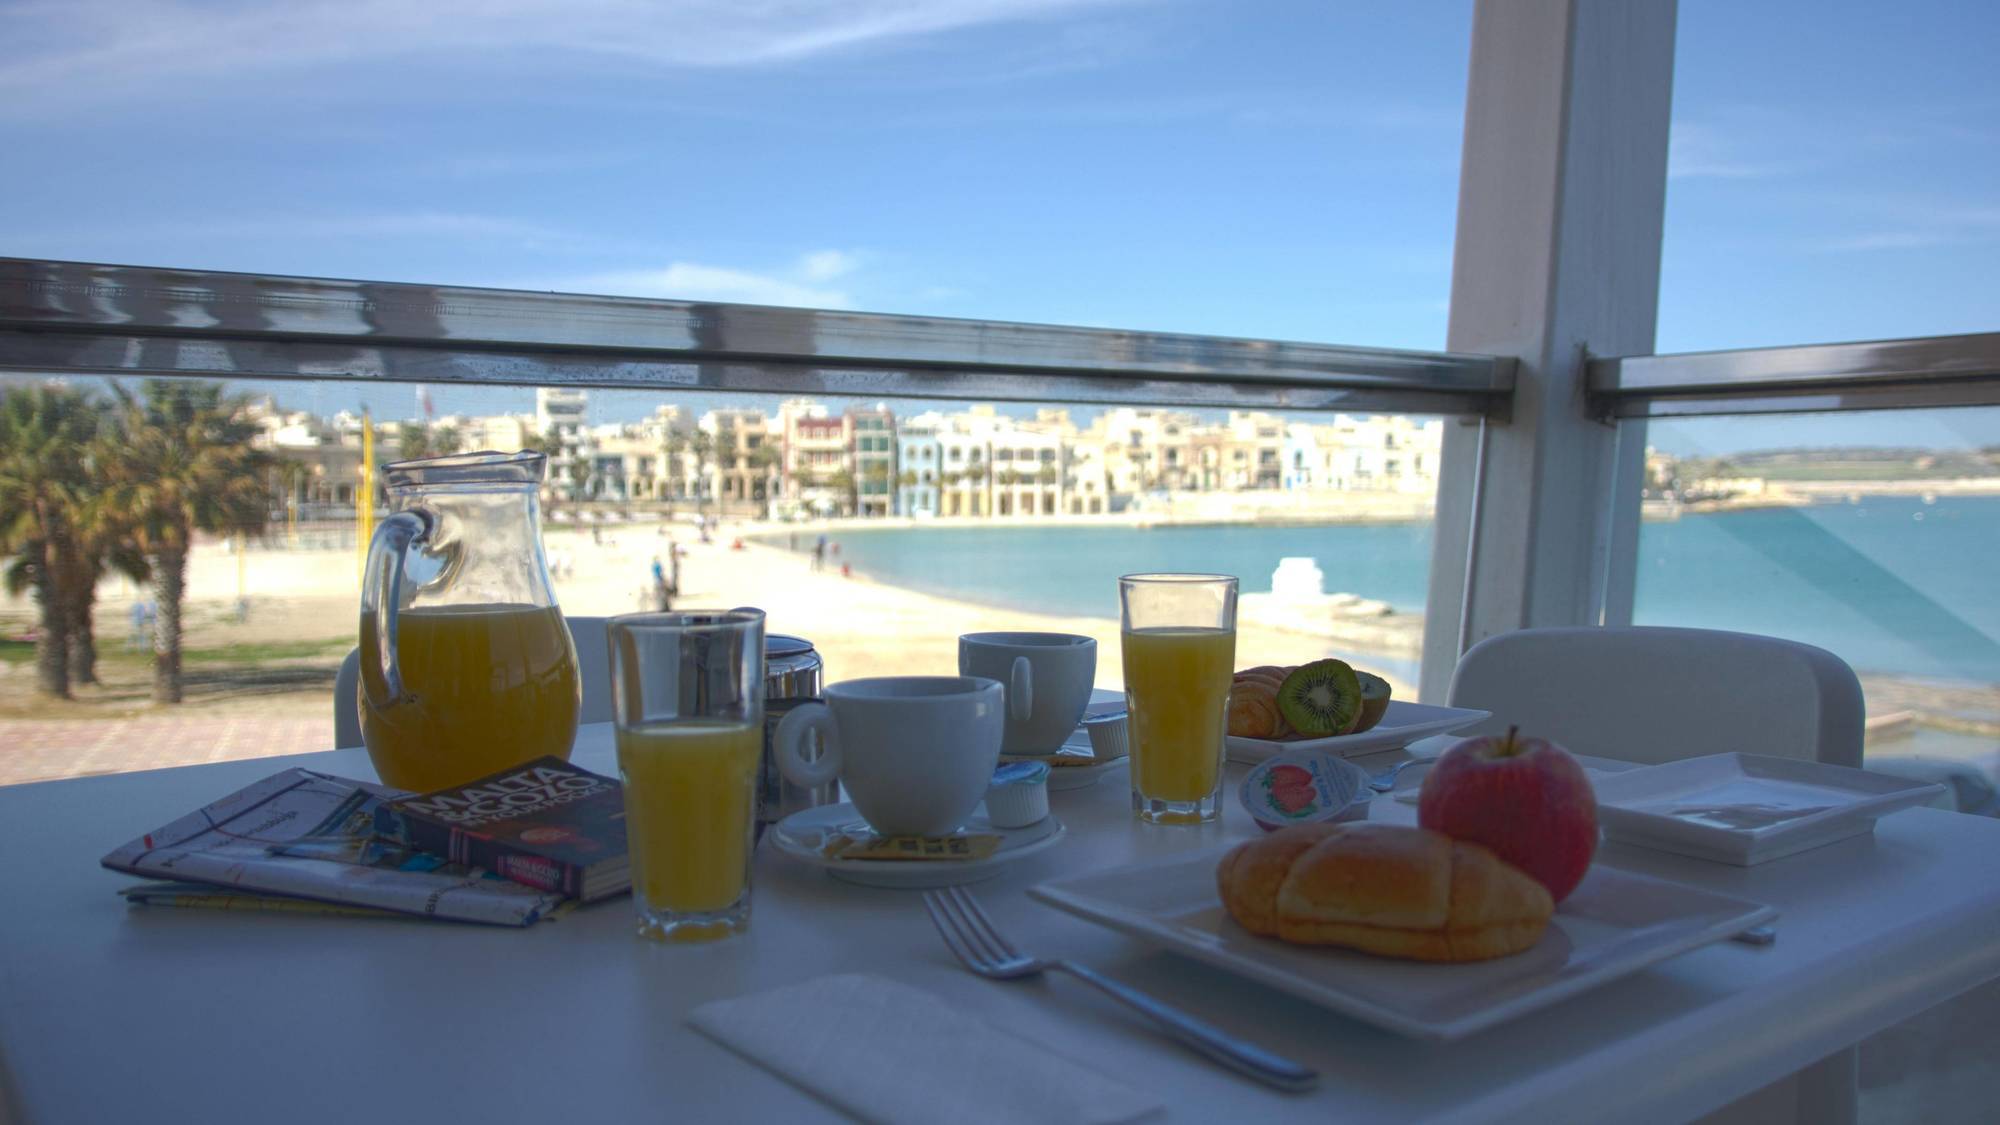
(1613, 924)
(1402, 723)
(1747, 808)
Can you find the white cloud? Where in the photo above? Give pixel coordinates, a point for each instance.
(803, 284)
(1886, 240)
(825, 265)
(1702, 151)
(1916, 224)
(100, 44)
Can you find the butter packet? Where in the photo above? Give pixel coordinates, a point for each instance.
(962, 847)
(1058, 760)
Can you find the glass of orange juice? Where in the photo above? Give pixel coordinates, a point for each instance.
(688, 700)
(1179, 641)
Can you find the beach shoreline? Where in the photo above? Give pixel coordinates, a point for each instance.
(301, 613)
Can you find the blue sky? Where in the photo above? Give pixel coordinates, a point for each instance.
(1271, 169)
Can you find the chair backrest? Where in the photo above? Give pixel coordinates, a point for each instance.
(1653, 694)
(593, 666)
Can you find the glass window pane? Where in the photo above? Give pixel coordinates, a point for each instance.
(1870, 535)
(1025, 521)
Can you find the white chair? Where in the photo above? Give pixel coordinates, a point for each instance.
(1652, 694)
(593, 666)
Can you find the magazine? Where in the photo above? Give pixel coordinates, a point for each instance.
(312, 835)
(545, 823)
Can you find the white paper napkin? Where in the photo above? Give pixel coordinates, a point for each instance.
(885, 1051)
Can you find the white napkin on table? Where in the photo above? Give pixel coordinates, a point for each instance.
(884, 1051)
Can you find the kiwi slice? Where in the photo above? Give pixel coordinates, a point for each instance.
(1321, 698)
(1374, 700)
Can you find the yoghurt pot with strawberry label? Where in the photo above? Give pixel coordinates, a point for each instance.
(1304, 787)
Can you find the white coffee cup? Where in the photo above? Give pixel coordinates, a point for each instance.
(1049, 677)
(914, 753)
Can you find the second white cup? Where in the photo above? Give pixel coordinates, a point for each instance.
(1048, 676)
(914, 753)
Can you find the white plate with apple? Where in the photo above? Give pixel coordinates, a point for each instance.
(1531, 804)
(1402, 723)
(1615, 923)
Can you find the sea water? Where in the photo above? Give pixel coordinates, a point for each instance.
(1892, 585)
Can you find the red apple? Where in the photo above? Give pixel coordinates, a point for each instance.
(1525, 799)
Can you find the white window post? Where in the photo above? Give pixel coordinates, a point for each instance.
(1561, 199)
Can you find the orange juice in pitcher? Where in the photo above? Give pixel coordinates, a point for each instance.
(491, 685)
(467, 666)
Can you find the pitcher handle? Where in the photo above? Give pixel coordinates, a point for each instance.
(789, 740)
(393, 537)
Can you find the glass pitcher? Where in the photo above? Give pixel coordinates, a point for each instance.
(467, 666)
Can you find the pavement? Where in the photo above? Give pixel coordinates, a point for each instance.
(44, 749)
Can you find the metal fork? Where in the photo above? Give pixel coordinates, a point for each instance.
(981, 947)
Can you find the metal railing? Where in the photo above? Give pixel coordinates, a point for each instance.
(69, 318)
(1929, 371)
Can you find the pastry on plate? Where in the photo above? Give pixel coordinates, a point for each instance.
(1383, 889)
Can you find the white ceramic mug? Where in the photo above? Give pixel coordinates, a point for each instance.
(915, 753)
(1048, 676)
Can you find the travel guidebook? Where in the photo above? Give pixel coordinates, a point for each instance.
(545, 823)
(312, 836)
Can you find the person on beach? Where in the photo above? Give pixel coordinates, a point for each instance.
(662, 596)
(819, 554)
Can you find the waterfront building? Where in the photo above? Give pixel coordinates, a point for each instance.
(503, 432)
(1253, 451)
(560, 420)
(1027, 476)
(1302, 461)
(873, 458)
(1086, 488)
(327, 471)
(964, 473)
(818, 459)
(917, 458)
(741, 458)
(1377, 453)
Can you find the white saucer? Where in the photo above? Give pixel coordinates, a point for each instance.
(801, 834)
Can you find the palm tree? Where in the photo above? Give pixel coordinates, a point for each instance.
(767, 458)
(412, 442)
(44, 483)
(104, 544)
(182, 463)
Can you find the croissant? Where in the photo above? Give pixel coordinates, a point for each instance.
(1259, 688)
(1253, 710)
(1383, 889)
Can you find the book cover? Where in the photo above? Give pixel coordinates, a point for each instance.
(545, 823)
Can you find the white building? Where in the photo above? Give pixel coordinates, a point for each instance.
(918, 453)
(560, 418)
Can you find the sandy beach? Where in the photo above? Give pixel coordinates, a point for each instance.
(259, 681)
(863, 627)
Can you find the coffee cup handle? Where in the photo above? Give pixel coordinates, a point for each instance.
(789, 740)
(1021, 691)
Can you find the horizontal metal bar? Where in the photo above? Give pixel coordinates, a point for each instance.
(1930, 371)
(115, 353)
(70, 318)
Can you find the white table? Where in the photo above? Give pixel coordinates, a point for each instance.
(117, 1014)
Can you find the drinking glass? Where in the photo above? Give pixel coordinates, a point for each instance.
(688, 700)
(1178, 634)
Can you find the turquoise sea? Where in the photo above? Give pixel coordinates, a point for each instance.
(1892, 585)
